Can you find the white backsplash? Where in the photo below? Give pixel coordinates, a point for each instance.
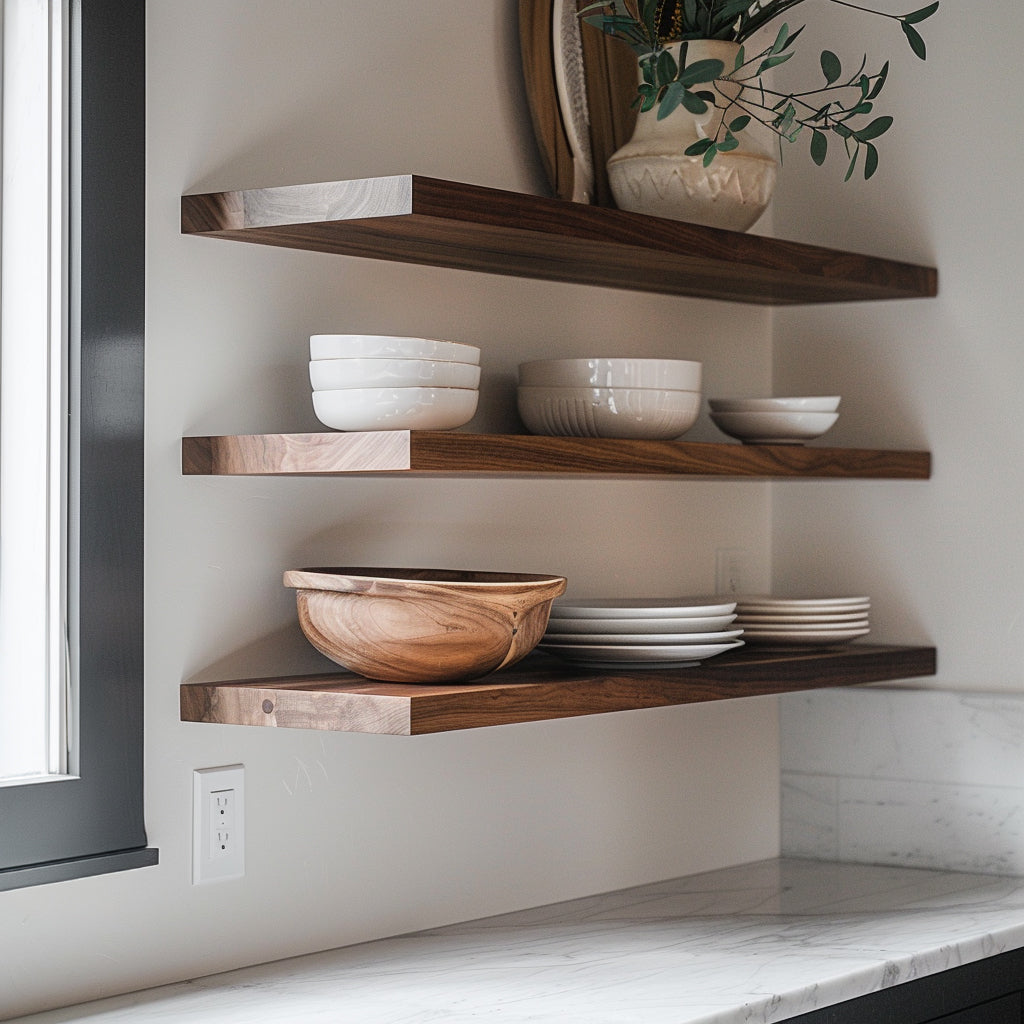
(930, 779)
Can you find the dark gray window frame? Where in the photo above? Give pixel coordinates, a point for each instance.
(93, 824)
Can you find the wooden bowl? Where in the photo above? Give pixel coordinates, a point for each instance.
(423, 625)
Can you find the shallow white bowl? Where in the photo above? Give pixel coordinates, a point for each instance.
(330, 374)
(348, 346)
(395, 408)
(674, 374)
(809, 403)
(774, 427)
(649, 413)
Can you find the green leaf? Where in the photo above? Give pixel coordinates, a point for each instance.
(670, 100)
(698, 148)
(710, 154)
(770, 62)
(914, 38)
(741, 59)
(879, 126)
(667, 68)
(737, 124)
(870, 160)
(729, 143)
(831, 66)
(693, 103)
(879, 81)
(842, 131)
(853, 164)
(780, 40)
(918, 16)
(702, 71)
(819, 146)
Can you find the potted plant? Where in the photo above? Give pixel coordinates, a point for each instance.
(710, 115)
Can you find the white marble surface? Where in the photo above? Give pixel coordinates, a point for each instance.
(757, 943)
(929, 779)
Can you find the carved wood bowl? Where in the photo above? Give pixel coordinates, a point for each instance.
(423, 625)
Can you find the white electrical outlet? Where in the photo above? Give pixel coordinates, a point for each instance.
(218, 824)
(732, 569)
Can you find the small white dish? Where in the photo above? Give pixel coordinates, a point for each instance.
(691, 624)
(774, 427)
(671, 374)
(640, 413)
(375, 372)
(816, 403)
(641, 607)
(395, 408)
(634, 639)
(348, 346)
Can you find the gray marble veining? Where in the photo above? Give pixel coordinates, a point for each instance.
(919, 778)
(748, 945)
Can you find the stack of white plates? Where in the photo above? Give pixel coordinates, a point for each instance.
(812, 621)
(641, 632)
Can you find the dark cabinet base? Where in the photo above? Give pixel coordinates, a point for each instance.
(989, 991)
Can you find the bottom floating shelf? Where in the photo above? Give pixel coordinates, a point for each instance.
(538, 688)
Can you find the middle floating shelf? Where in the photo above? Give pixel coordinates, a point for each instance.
(453, 453)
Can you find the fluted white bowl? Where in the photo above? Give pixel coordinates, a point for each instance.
(649, 413)
(774, 427)
(395, 408)
(331, 374)
(348, 346)
(673, 374)
(809, 403)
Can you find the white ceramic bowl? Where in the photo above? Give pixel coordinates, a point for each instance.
(330, 374)
(348, 346)
(673, 374)
(774, 427)
(806, 404)
(649, 413)
(395, 408)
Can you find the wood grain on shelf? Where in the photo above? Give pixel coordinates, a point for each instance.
(461, 453)
(538, 689)
(413, 219)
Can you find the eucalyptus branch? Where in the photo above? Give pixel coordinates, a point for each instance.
(650, 26)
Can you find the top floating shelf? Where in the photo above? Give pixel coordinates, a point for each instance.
(411, 219)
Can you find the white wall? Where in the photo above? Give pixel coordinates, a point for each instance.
(942, 560)
(353, 837)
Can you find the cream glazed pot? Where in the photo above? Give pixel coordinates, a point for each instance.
(650, 173)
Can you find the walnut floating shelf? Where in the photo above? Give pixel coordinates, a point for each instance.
(538, 689)
(451, 452)
(412, 219)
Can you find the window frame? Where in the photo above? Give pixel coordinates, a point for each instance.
(92, 823)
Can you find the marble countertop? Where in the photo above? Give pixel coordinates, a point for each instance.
(757, 943)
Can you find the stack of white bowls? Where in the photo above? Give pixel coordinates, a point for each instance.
(378, 382)
(654, 399)
(803, 621)
(775, 420)
(642, 633)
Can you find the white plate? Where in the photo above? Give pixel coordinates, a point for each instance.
(781, 617)
(858, 624)
(638, 656)
(693, 624)
(772, 604)
(642, 607)
(786, 636)
(620, 639)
